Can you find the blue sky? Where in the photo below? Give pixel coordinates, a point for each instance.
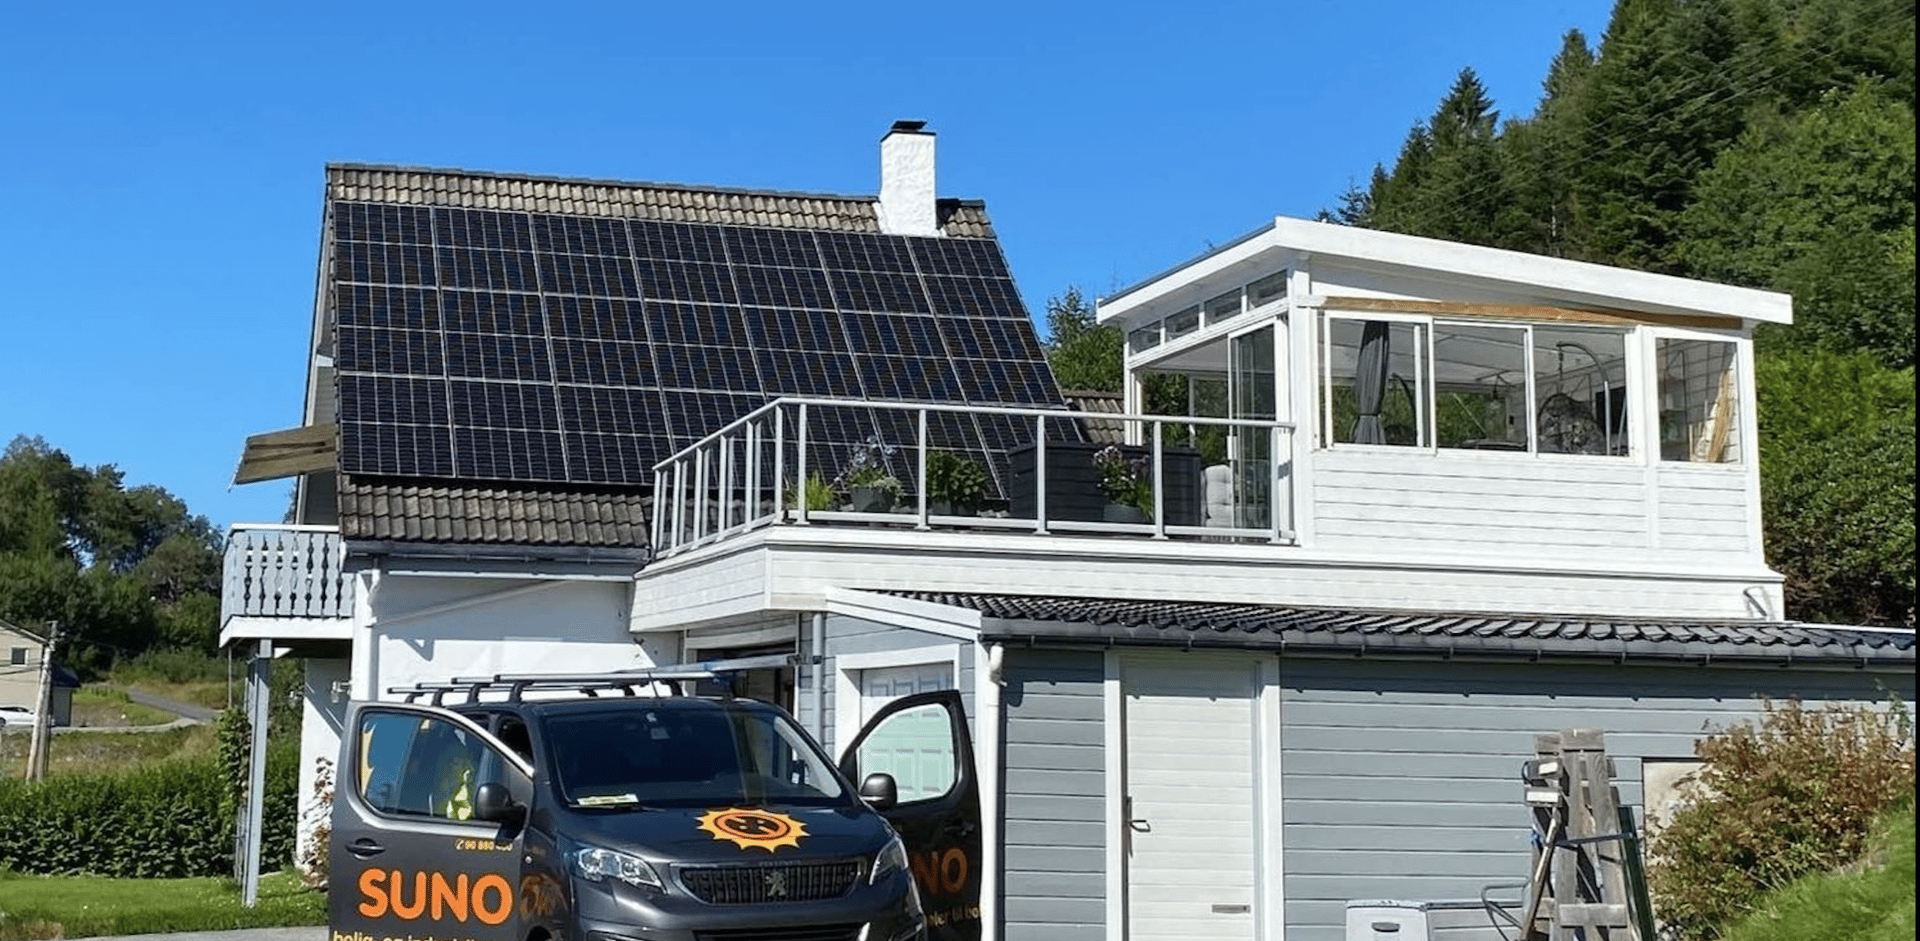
(161, 164)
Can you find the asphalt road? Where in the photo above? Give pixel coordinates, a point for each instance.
(245, 934)
(185, 710)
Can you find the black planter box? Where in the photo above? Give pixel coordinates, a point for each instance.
(1073, 482)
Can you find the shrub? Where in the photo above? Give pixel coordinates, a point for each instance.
(1797, 794)
(161, 820)
(172, 665)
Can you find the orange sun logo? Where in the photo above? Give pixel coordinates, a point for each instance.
(750, 828)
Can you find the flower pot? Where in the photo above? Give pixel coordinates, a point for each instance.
(1125, 513)
(871, 499)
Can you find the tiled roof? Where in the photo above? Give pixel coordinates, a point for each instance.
(1100, 430)
(428, 512)
(1196, 624)
(660, 201)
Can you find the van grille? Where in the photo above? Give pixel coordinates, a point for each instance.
(813, 933)
(753, 885)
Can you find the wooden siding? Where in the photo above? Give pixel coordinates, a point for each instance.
(1511, 505)
(1704, 509)
(1401, 777)
(1054, 864)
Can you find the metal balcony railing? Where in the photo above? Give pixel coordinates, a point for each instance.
(285, 572)
(804, 461)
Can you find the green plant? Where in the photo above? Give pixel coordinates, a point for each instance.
(959, 482)
(1797, 794)
(1870, 899)
(819, 494)
(167, 819)
(867, 467)
(1125, 480)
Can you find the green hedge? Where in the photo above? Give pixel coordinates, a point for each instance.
(161, 820)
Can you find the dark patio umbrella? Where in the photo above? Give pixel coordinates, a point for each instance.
(1370, 383)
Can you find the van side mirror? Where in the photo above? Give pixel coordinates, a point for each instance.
(494, 804)
(880, 791)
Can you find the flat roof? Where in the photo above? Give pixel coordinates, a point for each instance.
(1581, 281)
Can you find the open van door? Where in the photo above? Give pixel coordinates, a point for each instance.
(428, 814)
(923, 743)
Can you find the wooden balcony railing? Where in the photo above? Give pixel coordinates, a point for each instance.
(285, 572)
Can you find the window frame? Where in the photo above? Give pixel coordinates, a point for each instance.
(1634, 380)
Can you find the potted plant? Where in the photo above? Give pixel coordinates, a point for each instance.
(819, 494)
(1128, 484)
(955, 485)
(870, 487)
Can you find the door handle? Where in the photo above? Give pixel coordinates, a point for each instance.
(365, 847)
(1140, 826)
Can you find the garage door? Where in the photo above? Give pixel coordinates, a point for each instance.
(916, 748)
(1190, 792)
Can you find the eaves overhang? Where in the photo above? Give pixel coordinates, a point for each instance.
(1559, 281)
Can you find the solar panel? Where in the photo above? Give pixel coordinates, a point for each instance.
(513, 346)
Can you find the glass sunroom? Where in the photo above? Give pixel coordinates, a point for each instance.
(1469, 395)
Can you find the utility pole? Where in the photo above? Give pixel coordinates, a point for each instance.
(43, 711)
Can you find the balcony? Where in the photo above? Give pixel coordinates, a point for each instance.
(284, 581)
(920, 467)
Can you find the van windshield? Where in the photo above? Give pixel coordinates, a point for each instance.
(687, 755)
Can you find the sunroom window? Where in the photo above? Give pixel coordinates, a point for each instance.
(1698, 400)
(1375, 382)
(1478, 386)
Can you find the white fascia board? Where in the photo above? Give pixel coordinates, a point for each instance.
(910, 613)
(1601, 285)
(241, 627)
(1246, 249)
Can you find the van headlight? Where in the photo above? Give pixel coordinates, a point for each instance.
(891, 859)
(597, 865)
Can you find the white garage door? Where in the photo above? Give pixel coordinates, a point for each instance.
(915, 747)
(1190, 785)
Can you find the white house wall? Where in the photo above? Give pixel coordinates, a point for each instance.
(323, 712)
(434, 628)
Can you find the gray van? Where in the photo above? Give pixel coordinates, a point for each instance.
(620, 815)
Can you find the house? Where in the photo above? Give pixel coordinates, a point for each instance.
(20, 676)
(1279, 652)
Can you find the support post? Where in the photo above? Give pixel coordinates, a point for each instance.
(259, 693)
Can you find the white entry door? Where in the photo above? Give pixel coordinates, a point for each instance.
(1190, 796)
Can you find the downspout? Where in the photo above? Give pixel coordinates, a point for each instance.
(361, 670)
(818, 652)
(988, 695)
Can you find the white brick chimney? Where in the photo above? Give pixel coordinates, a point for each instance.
(906, 180)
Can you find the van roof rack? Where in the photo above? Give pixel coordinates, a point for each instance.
(592, 684)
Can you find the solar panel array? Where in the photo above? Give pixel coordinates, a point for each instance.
(514, 346)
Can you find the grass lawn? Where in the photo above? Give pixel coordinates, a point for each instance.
(85, 751)
(1871, 900)
(99, 706)
(85, 906)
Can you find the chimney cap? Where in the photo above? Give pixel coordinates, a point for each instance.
(908, 127)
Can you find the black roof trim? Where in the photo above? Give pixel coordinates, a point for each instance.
(1358, 632)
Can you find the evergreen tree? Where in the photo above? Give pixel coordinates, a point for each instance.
(1083, 354)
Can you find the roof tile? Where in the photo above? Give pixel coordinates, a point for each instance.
(1104, 620)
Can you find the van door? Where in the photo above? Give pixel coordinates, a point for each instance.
(922, 741)
(407, 858)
